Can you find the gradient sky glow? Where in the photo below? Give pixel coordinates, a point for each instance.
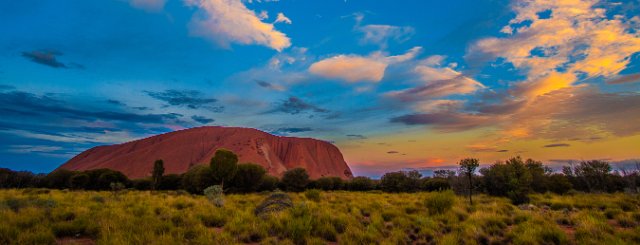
(393, 84)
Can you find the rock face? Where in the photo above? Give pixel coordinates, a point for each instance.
(183, 149)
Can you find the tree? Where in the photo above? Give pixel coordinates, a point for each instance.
(594, 174)
(224, 165)
(108, 176)
(170, 182)
(360, 183)
(59, 179)
(156, 175)
(295, 179)
(197, 179)
(248, 177)
(268, 183)
(468, 168)
(559, 183)
(329, 183)
(79, 181)
(394, 182)
(539, 175)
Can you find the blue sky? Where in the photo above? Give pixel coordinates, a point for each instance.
(395, 85)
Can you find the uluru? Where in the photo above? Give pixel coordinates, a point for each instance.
(182, 149)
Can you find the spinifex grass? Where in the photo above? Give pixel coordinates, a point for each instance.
(137, 217)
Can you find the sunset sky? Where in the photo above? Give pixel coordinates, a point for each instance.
(394, 84)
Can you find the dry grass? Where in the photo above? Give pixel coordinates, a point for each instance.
(137, 217)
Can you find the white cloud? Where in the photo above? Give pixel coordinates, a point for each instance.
(355, 68)
(382, 34)
(230, 21)
(281, 18)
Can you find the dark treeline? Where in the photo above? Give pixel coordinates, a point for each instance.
(514, 179)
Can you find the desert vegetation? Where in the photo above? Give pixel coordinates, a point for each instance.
(43, 216)
(516, 201)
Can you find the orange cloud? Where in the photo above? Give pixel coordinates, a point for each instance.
(354, 68)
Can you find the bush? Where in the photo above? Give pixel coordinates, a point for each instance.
(329, 183)
(360, 183)
(273, 203)
(394, 182)
(197, 179)
(313, 195)
(435, 184)
(268, 183)
(248, 177)
(142, 184)
(79, 181)
(215, 195)
(170, 182)
(295, 179)
(59, 179)
(440, 202)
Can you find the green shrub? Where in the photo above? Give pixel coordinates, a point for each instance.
(275, 202)
(295, 179)
(440, 202)
(313, 195)
(215, 195)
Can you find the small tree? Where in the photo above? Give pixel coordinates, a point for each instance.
(468, 167)
(215, 195)
(79, 181)
(249, 176)
(156, 175)
(295, 179)
(224, 165)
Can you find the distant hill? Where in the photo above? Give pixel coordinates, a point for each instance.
(183, 149)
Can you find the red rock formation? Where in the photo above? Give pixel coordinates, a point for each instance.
(182, 149)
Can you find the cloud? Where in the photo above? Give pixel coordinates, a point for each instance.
(192, 99)
(44, 117)
(115, 102)
(230, 21)
(577, 39)
(437, 89)
(631, 78)
(557, 55)
(381, 35)
(201, 119)
(294, 105)
(47, 58)
(557, 145)
(357, 136)
(287, 131)
(393, 152)
(6, 87)
(270, 86)
(439, 80)
(445, 121)
(148, 5)
(355, 68)
(281, 18)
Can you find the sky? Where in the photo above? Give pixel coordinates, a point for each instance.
(394, 84)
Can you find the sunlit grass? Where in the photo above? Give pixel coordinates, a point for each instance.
(137, 217)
